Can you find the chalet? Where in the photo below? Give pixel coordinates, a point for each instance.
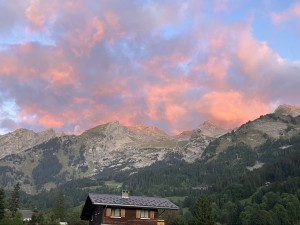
(26, 214)
(124, 209)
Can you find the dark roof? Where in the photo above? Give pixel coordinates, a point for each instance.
(26, 213)
(131, 201)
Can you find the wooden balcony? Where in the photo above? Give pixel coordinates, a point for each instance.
(160, 222)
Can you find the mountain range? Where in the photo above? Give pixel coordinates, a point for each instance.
(42, 161)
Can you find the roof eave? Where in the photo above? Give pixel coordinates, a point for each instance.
(136, 206)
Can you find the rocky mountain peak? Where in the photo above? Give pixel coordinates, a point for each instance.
(209, 129)
(150, 130)
(21, 131)
(185, 133)
(22, 139)
(115, 123)
(288, 110)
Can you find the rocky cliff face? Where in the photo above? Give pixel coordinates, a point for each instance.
(282, 123)
(44, 160)
(114, 145)
(111, 147)
(23, 139)
(199, 140)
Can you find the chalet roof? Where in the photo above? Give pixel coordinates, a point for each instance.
(130, 202)
(26, 214)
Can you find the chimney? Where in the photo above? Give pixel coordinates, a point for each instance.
(125, 194)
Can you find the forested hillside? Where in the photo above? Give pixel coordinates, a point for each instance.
(267, 195)
(248, 176)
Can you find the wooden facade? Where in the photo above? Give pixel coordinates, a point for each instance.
(117, 210)
(127, 216)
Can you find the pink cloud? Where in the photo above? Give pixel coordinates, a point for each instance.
(254, 56)
(7, 65)
(109, 60)
(33, 114)
(220, 5)
(112, 20)
(72, 6)
(34, 16)
(174, 112)
(38, 13)
(293, 12)
(83, 39)
(164, 102)
(232, 108)
(215, 67)
(61, 74)
(50, 121)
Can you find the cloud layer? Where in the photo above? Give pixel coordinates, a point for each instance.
(71, 65)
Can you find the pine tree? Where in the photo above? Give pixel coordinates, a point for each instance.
(59, 206)
(14, 202)
(2, 205)
(203, 212)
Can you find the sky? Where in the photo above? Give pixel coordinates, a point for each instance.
(71, 65)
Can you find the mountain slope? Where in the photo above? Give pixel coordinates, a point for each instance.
(256, 144)
(23, 139)
(99, 152)
(199, 140)
(115, 151)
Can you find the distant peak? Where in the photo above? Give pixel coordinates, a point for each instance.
(22, 131)
(208, 124)
(210, 129)
(51, 131)
(112, 125)
(116, 122)
(148, 129)
(288, 110)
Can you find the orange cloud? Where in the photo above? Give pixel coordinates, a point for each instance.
(216, 67)
(110, 62)
(34, 16)
(231, 108)
(50, 121)
(61, 74)
(33, 114)
(82, 39)
(163, 102)
(39, 12)
(13, 67)
(174, 111)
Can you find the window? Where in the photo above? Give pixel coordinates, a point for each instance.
(145, 214)
(116, 212)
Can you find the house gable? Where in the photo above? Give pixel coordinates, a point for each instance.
(113, 209)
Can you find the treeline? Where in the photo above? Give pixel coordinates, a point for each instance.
(183, 179)
(268, 195)
(238, 196)
(10, 213)
(272, 203)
